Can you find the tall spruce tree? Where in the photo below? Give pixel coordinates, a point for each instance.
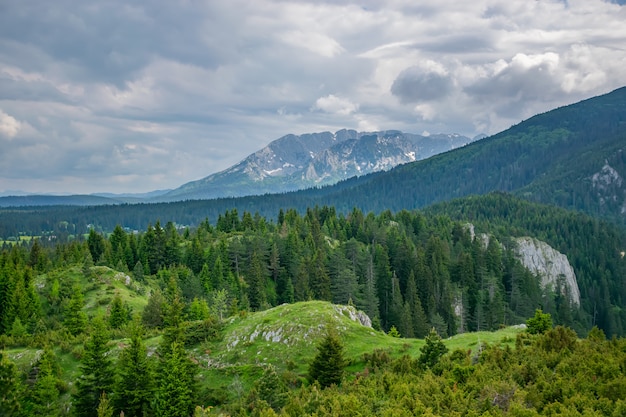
(10, 387)
(96, 371)
(418, 317)
(173, 318)
(135, 377)
(75, 319)
(175, 391)
(43, 398)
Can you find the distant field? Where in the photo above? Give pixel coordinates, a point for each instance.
(12, 240)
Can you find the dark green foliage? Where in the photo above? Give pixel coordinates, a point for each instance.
(134, 383)
(119, 314)
(96, 371)
(432, 351)
(271, 388)
(43, 397)
(540, 323)
(152, 315)
(10, 387)
(96, 244)
(329, 363)
(200, 331)
(174, 394)
(75, 319)
(173, 319)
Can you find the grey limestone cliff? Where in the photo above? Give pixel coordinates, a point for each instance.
(549, 264)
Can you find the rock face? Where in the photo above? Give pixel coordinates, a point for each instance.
(608, 185)
(295, 162)
(549, 264)
(354, 314)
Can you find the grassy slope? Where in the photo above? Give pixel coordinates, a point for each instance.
(285, 336)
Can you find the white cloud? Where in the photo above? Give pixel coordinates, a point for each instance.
(9, 125)
(335, 105)
(314, 42)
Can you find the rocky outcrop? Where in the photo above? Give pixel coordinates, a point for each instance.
(354, 314)
(549, 264)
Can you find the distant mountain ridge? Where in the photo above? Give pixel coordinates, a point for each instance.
(295, 162)
(290, 163)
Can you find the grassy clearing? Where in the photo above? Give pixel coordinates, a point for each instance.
(14, 240)
(285, 337)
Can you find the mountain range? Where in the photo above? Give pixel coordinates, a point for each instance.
(292, 162)
(572, 157)
(297, 162)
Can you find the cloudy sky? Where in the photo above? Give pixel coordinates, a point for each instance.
(134, 96)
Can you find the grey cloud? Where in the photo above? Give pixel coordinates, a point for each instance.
(158, 91)
(457, 44)
(518, 86)
(416, 84)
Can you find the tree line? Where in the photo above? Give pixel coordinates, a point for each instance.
(408, 270)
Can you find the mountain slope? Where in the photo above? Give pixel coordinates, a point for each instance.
(296, 162)
(572, 157)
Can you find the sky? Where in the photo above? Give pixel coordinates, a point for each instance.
(133, 96)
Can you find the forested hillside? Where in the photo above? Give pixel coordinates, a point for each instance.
(409, 270)
(570, 157)
(67, 309)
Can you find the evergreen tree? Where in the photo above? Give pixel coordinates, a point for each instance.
(173, 318)
(319, 280)
(271, 388)
(256, 283)
(96, 245)
(134, 383)
(198, 310)
(174, 395)
(118, 241)
(383, 275)
(205, 279)
(75, 319)
(370, 297)
(96, 371)
(540, 323)
(418, 317)
(152, 315)
(138, 271)
(396, 309)
(118, 313)
(344, 282)
(10, 387)
(432, 351)
(44, 395)
(329, 363)
(105, 408)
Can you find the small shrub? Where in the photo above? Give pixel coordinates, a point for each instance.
(199, 331)
(291, 365)
(540, 323)
(77, 352)
(377, 359)
(104, 301)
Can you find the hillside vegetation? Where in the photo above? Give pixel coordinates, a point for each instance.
(571, 157)
(219, 314)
